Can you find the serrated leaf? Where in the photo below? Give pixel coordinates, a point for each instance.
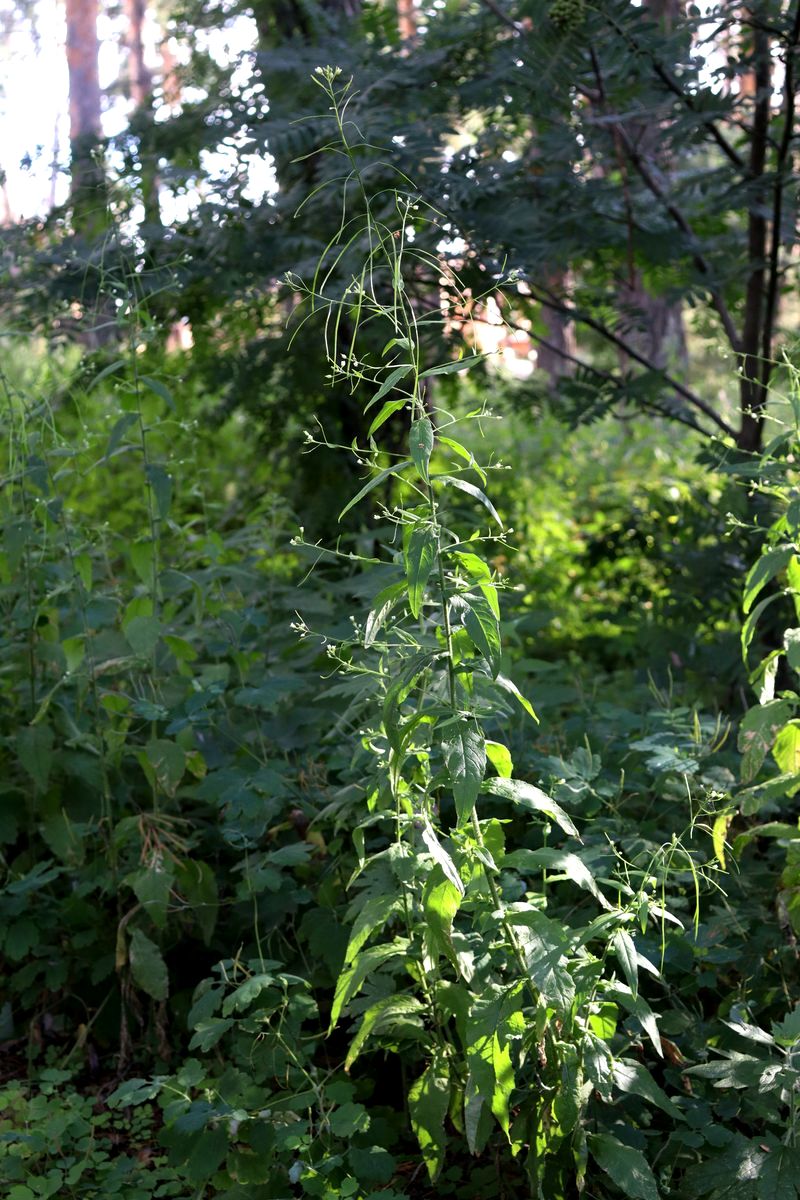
(757, 732)
(631, 1077)
(572, 867)
(421, 445)
(464, 751)
(532, 798)
(386, 1013)
(628, 1168)
(545, 948)
(440, 903)
(152, 886)
(419, 555)
(428, 1102)
(482, 626)
(147, 966)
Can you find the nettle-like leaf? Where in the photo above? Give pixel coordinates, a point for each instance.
(628, 1167)
(483, 628)
(428, 1102)
(464, 748)
(420, 557)
(530, 797)
(147, 966)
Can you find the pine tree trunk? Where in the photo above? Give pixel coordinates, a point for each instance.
(85, 124)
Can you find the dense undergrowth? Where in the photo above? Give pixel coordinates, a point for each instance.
(299, 897)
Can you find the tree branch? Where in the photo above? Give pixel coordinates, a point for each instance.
(541, 295)
(652, 184)
(782, 157)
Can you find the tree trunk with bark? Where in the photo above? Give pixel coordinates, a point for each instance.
(85, 111)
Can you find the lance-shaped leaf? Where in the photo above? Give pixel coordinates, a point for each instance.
(420, 555)
(147, 966)
(376, 481)
(421, 445)
(528, 796)
(482, 626)
(626, 956)
(465, 758)
(396, 1013)
(428, 1102)
(469, 489)
(382, 605)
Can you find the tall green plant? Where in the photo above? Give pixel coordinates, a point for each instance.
(452, 956)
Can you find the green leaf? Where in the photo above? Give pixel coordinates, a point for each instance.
(786, 751)
(421, 445)
(572, 867)
(387, 410)
(779, 1177)
(374, 482)
(420, 555)
(626, 956)
(152, 886)
(246, 993)
(158, 389)
(757, 733)
(142, 554)
(198, 885)
(791, 642)
(469, 489)
(765, 568)
(147, 966)
(142, 634)
(628, 1168)
(545, 947)
(500, 758)
(428, 1102)
(465, 758)
(440, 856)
(787, 1031)
(631, 1077)
(35, 752)
(440, 903)
(353, 976)
(385, 1014)
(463, 453)
(373, 914)
(389, 382)
(482, 626)
(160, 482)
(509, 686)
(168, 761)
(449, 368)
(382, 605)
(533, 798)
(491, 1022)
